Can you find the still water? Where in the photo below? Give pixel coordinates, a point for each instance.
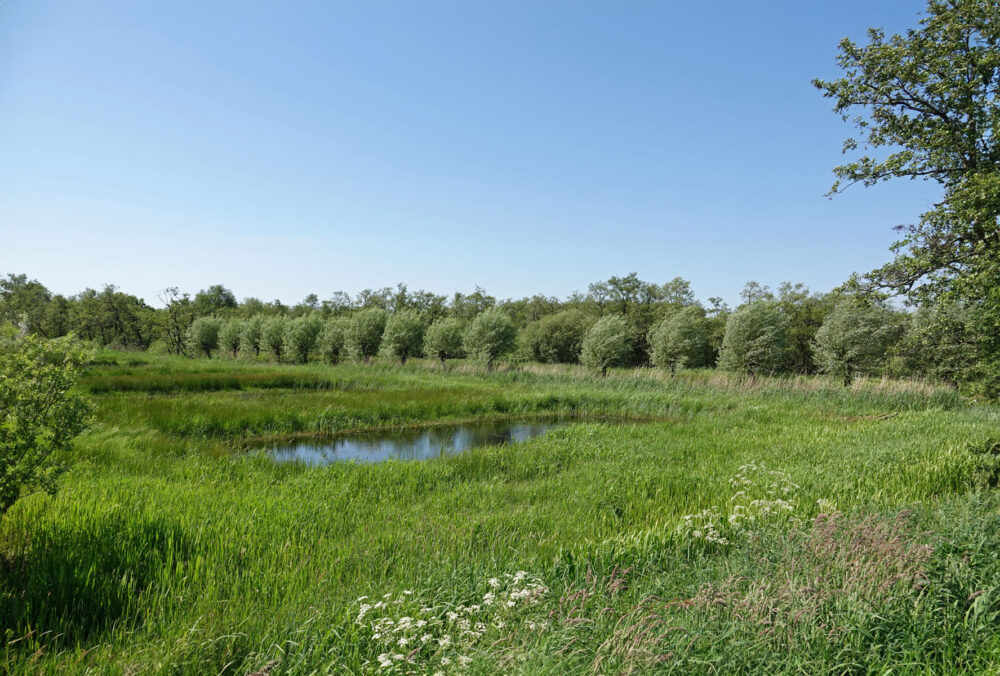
(407, 444)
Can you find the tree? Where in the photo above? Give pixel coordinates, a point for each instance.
(805, 312)
(364, 333)
(926, 101)
(272, 335)
(214, 300)
(467, 306)
(443, 339)
(300, 337)
(404, 335)
(681, 340)
(203, 336)
(939, 343)
(176, 319)
(24, 300)
(231, 336)
(332, 339)
(755, 340)
(253, 330)
(608, 343)
(490, 336)
(855, 339)
(557, 338)
(39, 412)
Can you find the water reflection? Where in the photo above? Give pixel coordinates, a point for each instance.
(407, 444)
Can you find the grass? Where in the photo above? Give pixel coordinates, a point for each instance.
(168, 550)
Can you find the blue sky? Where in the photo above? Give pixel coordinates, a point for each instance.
(284, 148)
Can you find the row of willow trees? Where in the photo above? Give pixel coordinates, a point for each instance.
(623, 321)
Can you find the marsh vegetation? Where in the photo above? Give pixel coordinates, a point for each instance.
(693, 522)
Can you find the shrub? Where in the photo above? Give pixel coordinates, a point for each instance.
(607, 343)
(332, 340)
(301, 335)
(404, 335)
(854, 339)
(364, 333)
(490, 335)
(755, 340)
(38, 412)
(681, 340)
(203, 335)
(231, 336)
(443, 339)
(272, 335)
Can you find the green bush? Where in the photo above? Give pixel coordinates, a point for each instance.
(39, 413)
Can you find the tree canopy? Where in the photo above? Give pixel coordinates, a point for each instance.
(925, 107)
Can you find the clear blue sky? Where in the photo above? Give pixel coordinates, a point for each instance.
(283, 148)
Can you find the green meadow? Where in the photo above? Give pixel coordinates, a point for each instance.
(696, 523)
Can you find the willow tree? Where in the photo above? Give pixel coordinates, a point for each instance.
(608, 343)
(925, 107)
(855, 339)
(489, 336)
(404, 335)
(443, 339)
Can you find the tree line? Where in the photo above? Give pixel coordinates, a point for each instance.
(620, 322)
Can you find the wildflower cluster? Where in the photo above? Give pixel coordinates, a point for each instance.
(705, 525)
(762, 497)
(415, 636)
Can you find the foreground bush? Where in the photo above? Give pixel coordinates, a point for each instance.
(38, 413)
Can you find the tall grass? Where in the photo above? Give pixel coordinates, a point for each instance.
(169, 551)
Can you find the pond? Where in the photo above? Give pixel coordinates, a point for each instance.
(419, 444)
